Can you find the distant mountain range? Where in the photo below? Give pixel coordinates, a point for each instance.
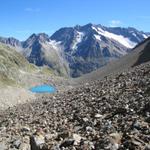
(73, 51)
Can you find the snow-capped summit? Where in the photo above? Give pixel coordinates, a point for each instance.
(125, 41)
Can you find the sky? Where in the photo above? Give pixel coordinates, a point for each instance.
(21, 18)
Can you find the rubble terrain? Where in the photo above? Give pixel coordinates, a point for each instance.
(108, 114)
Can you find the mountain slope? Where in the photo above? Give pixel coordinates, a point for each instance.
(111, 114)
(144, 55)
(40, 50)
(15, 70)
(17, 76)
(11, 63)
(92, 46)
(139, 55)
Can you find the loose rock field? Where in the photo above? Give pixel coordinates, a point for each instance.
(109, 114)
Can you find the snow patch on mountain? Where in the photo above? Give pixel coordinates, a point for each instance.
(119, 38)
(54, 44)
(145, 36)
(78, 38)
(98, 37)
(52, 50)
(134, 34)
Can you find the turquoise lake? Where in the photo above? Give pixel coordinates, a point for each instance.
(43, 89)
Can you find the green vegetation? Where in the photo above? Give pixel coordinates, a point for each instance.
(11, 65)
(15, 70)
(46, 70)
(10, 62)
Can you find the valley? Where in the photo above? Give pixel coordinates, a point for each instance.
(107, 108)
(17, 76)
(74, 75)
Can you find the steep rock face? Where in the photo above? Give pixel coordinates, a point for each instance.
(33, 48)
(40, 50)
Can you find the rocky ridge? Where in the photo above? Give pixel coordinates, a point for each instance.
(110, 114)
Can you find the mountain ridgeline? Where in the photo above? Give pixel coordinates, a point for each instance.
(74, 51)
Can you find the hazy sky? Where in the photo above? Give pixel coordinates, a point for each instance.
(21, 18)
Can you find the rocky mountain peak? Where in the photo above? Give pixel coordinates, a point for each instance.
(10, 41)
(35, 38)
(43, 37)
(39, 36)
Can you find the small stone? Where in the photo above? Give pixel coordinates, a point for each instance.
(2, 129)
(91, 145)
(136, 125)
(25, 146)
(51, 136)
(17, 143)
(115, 138)
(67, 143)
(63, 135)
(85, 119)
(98, 116)
(115, 146)
(147, 147)
(3, 146)
(25, 129)
(37, 141)
(55, 147)
(77, 139)
(89, 129)
(93, 98)
(136, 142)
(87, 145)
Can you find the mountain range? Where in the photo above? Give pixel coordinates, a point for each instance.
(74, 51)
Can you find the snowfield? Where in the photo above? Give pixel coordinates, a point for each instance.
(119, 38)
